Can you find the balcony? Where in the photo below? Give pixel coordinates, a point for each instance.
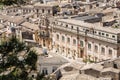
(82, 33)
(44, 34)
(65, 29)
(102, 38)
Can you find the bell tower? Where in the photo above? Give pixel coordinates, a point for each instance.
(45, 38)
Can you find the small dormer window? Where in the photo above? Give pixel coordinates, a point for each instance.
(103, 34)
(113, 36)
(107, 35)
(99, 33)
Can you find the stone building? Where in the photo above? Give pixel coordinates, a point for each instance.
(68, 71)
(100, 71)
(92, 70)
(44, 32)
(38, 8)
(111, 73)
(49, 9)
(47, 64)
(77, 38)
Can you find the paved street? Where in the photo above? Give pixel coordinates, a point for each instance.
(53, 53)
(57, 54)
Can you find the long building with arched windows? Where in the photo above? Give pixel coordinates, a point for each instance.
(78, 38)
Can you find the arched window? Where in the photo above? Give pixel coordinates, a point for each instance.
(81, 43)
(110, 52)
(44, 71)
(103, 50)
(89, 46)
(42, 10)
(63, 38)
(48, 11)
(68, 40)
(96, 48)
(74, 42)
(57, 36)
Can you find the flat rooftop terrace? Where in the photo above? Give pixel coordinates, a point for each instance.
(82, 18)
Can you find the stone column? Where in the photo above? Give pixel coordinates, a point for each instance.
(106, 52)
(99, 51)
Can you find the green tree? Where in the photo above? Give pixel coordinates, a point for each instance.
(13, 61)
(11, 2)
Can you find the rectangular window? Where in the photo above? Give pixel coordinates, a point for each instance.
(54, 68)
(110, 52)
(107, 35)
(100, 33)
(48, 11)
(102, 50)
(81, 43)
(96, 48)
(74, 42)
(66, 26)
(103, 34)
(77, 28)
(68, 40)
(63, 38)
(89, 46)
(57, 37)
(42, 10)
(113, 36)
(44, 71)
(71, 27)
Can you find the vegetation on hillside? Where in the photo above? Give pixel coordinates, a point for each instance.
(17, 61)
(11, 2)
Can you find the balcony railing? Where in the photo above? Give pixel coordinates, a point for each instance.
(74, 31)
(44, 35)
